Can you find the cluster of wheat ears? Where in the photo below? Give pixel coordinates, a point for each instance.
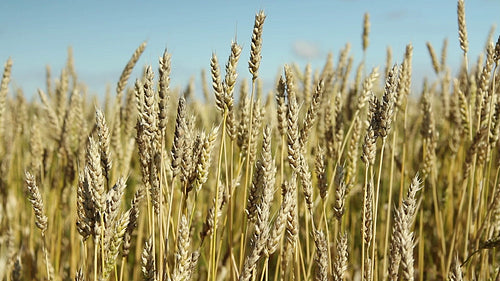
(324, 178)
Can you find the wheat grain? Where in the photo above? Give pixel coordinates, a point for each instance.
(342, 61)
(292, 123)
(312, 113)
(132, 221)
(257, 116)
(428, 132)
(388, 101)
(307, 83)
(281, 220)
(366, 31)
(79, 276)
(192, 144)
(96, 177)
(455, 273)
(179, 138)
(182, 256)
(115, 240)
(484, 86)
(281, 106)
(120, 86)
(369, 146)
(368, 214)
(204, 159)
(164, 90)
(113, 202)
(353, 152)
(36, 148)
(16, 270)
(320, 168)
(256, 46)
(244, 124)
(61, 97)
(474, 148)
(217, 83)
(147, 258)
(388, 61)
(340, 193)
(231, 75)
(340, 264)
(103, 139)
(85, 208)
(3, 92)
(444, 51)
(435, 63)
(321, 257)
(255, 192)
(261, 231)
(211, 220)
(35, 197)
(496, 58)
(116, 138)
(462, 29)
(53, 118)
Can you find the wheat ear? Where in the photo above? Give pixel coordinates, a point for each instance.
(35, 197)
(120, 86)
(366, 31)
(3, 91)
(462, 29)
(256, 47)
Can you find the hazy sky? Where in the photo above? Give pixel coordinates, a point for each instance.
(104, 34)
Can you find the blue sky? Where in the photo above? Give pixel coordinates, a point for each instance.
(103, 34)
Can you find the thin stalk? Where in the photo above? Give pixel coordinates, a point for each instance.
(150, 223)
(160, 211)
(328, 229)
(229, 183)
(83, 244)
(302, 263)
(169, 215)
(389, 206)
(469, 207)
(265, 269)
(212, 265)
(46, 256)
(421, 244)
(278, 264)
(96, 250)
(363, 223)
(248, 173)
(122, 268)
(306, 223)
(102, 245)
(375, 211)
(439, 222)
(486, 221)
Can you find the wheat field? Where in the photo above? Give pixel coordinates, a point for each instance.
(339, 173)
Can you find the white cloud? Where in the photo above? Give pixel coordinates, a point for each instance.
(306, 50)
